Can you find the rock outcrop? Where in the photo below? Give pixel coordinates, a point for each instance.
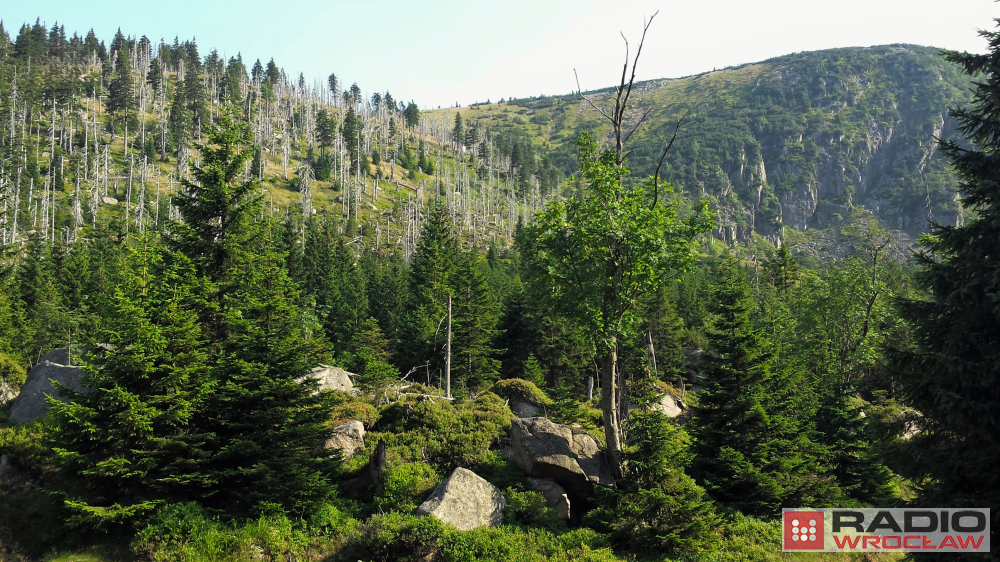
(554, 494)
(524, 409)
(8, 392)
(670, 405)
(347, 437)
(332, 378)
(570, 457)
(466, 501)
(30, 403)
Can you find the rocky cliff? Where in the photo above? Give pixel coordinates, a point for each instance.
(804, 141)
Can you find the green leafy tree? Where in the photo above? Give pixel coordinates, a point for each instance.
(844, 320)
(754, 451)
(268, 422)
(951, 374)
(180, 122)
(351, 132)
(595, 257)
(412, 115)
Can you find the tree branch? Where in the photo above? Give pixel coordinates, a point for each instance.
(666, 149)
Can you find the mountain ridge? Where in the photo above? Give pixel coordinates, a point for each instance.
(798, 141)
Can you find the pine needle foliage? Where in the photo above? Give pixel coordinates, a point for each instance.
(951, 375)
(754, 452)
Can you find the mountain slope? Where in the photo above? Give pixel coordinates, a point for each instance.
(800, 141)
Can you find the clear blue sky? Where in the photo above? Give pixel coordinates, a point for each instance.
(442, 52)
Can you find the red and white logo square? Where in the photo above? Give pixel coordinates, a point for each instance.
(802, 530)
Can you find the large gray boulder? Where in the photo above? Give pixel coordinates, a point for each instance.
(523, 409)
(569, 456)
(30, 403)
(671, 406)
(332, 378)
(466, 501)
(554, 494)
(347, 437)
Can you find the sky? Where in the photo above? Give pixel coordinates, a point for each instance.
(443, 52)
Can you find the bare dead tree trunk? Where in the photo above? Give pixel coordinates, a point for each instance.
(447, 356)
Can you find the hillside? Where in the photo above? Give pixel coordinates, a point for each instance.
(247, 317)
(797, 142)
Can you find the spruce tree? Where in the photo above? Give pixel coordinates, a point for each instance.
(121, 92)
(267, 420)
(474, 323)
(657, 507)
(131, 443)
(431, 271)
(951, 375)
(753, 452)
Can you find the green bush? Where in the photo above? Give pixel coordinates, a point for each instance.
(529, 509)
(514, 544)
(500, 471)
(12, 374)
(329, 521)
(444, 434)
(183, 532)
(395, 536)
(405, 486)
(361, 411)
(521, 390)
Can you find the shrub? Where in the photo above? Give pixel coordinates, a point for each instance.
(500, 471)
(515, 544)
(183, 532)
(12, 375)
(395, 536)
(521, 390)
(405, 486)
(362, 411)
(529, 509)
(445, 435)
(329, 521)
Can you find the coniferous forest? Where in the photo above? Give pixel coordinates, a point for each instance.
(250, 315)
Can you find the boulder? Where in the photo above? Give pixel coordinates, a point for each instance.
(524, 409)
(347, 437)
(109, 200)
(332, 378)
(8, 392)
(671, 406)
(911, 423)
(30, 403)
(569, 456)
(466, 501)
(554, 494)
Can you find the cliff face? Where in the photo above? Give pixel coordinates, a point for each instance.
(817, 137)
(804, 141)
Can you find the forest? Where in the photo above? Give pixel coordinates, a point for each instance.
(288, 320)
